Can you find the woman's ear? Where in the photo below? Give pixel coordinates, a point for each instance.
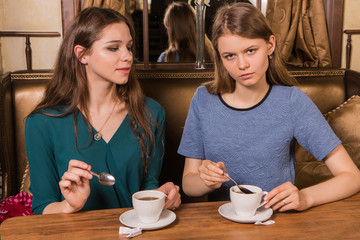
(80, 54)
(271, 45)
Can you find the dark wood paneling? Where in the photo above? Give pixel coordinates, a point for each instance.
(334, 11)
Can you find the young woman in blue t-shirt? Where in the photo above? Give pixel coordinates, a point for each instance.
(245, 122)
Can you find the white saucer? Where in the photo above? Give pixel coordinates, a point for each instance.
(227, 211)
(130, 219)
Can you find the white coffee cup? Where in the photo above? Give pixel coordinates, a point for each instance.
(245, 205)
(148, 205)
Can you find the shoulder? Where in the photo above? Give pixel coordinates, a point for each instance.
(162, 57)
(291, 93)
(294, 101)
(44, 116)
(202, 94)
(154, 106)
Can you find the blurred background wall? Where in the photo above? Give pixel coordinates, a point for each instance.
(29, 15)
(352, 21)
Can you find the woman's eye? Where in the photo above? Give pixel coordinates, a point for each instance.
(251, 51)
(113, 49)
(229, 56)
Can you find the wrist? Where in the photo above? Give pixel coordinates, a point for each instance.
(67, 208)
(309, 201)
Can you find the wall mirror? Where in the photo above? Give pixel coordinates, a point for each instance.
(157, 34)
(147, 18)
(152, 37)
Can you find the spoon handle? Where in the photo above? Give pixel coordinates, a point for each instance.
(243, 189)
(97, 175)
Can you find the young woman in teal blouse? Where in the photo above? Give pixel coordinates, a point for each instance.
(95, 117)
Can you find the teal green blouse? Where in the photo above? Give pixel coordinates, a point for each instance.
(50, 145)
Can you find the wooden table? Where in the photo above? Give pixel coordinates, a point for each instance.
(337, 220)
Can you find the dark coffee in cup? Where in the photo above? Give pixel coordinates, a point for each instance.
(148, 198)
(240, 192)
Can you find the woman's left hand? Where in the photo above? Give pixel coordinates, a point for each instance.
(286, 197)
(173, 199)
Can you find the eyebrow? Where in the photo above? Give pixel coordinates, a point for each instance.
(252, 46)
(246, 49)
(118, 41)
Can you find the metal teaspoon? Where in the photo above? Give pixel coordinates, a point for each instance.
(105, 178)
(242, 189)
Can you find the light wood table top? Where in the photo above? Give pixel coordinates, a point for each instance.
(337, 220)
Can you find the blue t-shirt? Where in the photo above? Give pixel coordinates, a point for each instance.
(162, 57)
(256, 144)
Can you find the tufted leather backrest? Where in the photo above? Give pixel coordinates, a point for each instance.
(21, 91)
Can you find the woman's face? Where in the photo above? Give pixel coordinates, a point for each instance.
(246, 60)
(110, 58)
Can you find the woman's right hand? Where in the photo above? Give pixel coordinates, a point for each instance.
(212, 174)
(75, 186)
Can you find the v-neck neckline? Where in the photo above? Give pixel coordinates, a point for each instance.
(117, 130)
(95, 131)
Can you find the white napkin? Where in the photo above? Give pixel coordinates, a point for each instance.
(132, 232)
(268, 222)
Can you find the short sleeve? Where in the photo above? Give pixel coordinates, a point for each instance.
(162, 57)
(311, 128)
(191, 144)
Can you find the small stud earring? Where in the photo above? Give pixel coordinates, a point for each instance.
(83, 60)
(270, 56)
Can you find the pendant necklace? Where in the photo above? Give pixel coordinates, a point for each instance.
(98, 135)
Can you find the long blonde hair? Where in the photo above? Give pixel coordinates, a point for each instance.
(180, 23)
(247, 21)
(68, 86)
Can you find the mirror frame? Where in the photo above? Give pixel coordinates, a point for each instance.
(334, 10)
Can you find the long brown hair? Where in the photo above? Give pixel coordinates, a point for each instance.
(247, 21)
(180, 23)
(69, 87)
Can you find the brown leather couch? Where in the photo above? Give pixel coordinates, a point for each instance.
(173, 89)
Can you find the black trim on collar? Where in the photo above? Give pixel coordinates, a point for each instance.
(246, 109)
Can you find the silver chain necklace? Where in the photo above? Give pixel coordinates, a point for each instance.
(98, 135)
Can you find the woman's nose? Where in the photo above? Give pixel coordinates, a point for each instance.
(243, 63)
(126, 55)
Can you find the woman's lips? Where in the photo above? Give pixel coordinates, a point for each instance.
(246, 75)
(124, 70)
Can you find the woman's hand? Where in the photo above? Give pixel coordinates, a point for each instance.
(286, 197)
(173, 199)
(74, 185)
(212, 174)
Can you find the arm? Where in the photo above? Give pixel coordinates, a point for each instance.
(151, 181)
(47, 187)
(316, 136)
(75, 188)
(43, 169)
(346, 182)
(201, 177)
